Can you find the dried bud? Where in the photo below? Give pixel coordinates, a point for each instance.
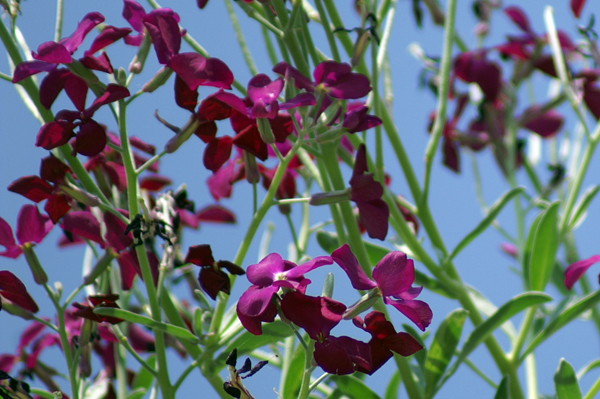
(331, 197)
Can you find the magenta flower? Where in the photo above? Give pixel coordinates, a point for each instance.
(357, 120)
(32, 227)
(91, 137)
(212, 278)
(46, 187)
(268, 276)
(474, 67)
(14, 290)
(367, 193)
(318, 315)
(393, 277)
(385, 340)
(578, 269)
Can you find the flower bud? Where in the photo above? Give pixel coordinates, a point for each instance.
(366, 302)
(251, 168)
(16, 310)
(181, 136)
(137, 65)
(39, 275)
(158, 80)
(360, 46)
(328, 285)
(121, 76)
(79, 195)
(331, 197)
(264, 128)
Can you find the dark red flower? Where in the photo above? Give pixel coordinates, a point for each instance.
(14, 290)
(212, 278)
(367, 193)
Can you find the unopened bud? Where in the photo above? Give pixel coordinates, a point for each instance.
(251, 168)
(121, 76)
(361, 45)
(328, 285)
(364, 303)
(182, 136)
(198, 328)
(158, 80)
(264, 128)
(39, 275)
(331, 135)
(137, 65)
(79, 195)
(100, 266)
(331, 197)
(16, 310)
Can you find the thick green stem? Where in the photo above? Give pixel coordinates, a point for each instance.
(132, 197)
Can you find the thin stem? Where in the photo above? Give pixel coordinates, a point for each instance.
(328, 32)
(308, 369)
(440, 117)
(150, 162)
(60, 12)
(239, 34)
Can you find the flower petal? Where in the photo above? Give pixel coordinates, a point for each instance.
(15, 291)
(395, 273)
(344, 257)
(577, 269)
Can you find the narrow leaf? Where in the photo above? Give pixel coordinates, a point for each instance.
(568, 315)
(504, 313)
(545, 247)
(587, 368)
(488, 308)
(442, 349)
(247, 342)
(353, 388)
(144, 379)
(565, 381)
(137, 394)
(131, 317)
(393, 387)
(529, 248)
(503, 391)
(582, 206)
(293, 376)
(492, 214)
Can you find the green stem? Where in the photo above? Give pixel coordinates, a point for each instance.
(132, 197)
(239, 34)
(60, 12)
(328, 32)
(440, 118)
(308, 369)
(593, 390)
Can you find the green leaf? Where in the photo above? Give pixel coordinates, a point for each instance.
(503, 391)
(544, 248)
(529, 248)
(353, 388)
(131, 317)
(587, 368)
(580, 212)
(442, 349)
(394, 386)
(565, 317)
(137, 394)
(420, 356)
(488, 308)
(247, 342)
(565, 381)
(143, 378)
(492, 214)
(504, 313)
(293, 377)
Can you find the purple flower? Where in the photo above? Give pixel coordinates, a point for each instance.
(385, 340)
(32, 227)
(91, 137)
(577, 269)
(14, 290)
(393, 277)
(318, 315)
(212, 278)
(338, 80)
(357, 120)
(367, 193)
(268, 276)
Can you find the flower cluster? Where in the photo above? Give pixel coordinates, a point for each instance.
(279, 287)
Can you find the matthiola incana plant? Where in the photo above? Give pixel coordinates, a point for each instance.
(355, 258)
